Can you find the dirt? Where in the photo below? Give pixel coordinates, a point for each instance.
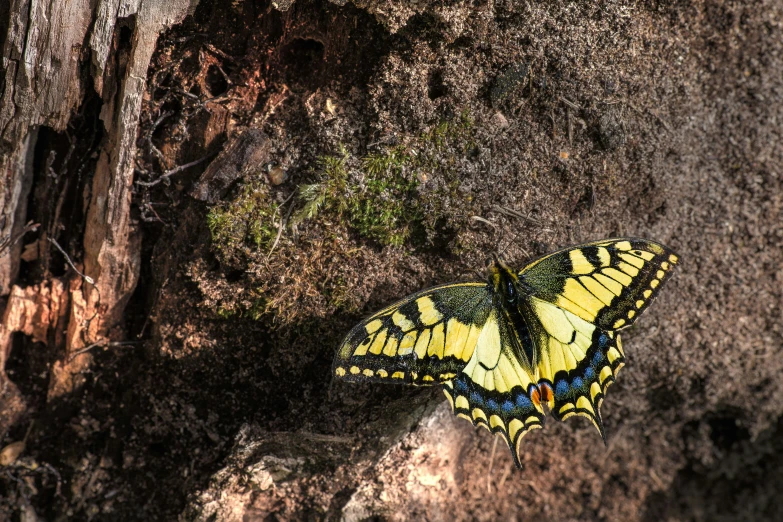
(587, 120)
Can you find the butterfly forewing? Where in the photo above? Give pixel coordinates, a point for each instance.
(608, 283)
(424, 339)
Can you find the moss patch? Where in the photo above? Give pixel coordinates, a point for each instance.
(245, 224)
(398, 195)
(384, 196)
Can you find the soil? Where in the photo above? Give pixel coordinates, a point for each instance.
(658, 119)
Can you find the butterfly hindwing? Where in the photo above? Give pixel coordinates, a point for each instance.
(581, 390)
(608, 283)
(426, 338)
(495, 390)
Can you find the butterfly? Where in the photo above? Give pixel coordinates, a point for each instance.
(510, 350)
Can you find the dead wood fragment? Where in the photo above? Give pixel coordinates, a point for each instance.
(250, 150)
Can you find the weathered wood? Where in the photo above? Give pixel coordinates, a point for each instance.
(41, 86)
(44, 80)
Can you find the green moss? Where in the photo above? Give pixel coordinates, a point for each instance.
(244, 223)
(329, 192)
(378, 195)
(384, 209)
(383, 196)
(377, 206)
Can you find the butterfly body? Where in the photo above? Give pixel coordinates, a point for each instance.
(524, 343)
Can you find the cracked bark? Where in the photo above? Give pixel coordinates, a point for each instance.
(55, 55)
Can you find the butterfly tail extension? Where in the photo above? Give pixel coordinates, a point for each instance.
(581, 391)
(511, 414)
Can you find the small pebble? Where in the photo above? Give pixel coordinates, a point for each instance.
(277, 175)
(500, 121)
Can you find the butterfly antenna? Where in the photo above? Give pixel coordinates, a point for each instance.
(513, 239)
(502, 251)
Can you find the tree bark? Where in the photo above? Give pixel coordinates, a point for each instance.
(57, 55)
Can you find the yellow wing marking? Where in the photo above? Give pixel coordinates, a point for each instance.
(610, 284)
(604, 256)
(422, 343)
(479, 414)
(373, 326)
(461, 339)
(390, 349)
(595, 389)
(437, 342)
(620, 277)
(597, 289)
(509, 373)
(628, 269)
(564, 341)
(379, 342)
(488, 345)
(587, 301)
(632, 259)
(406, 344)
(405, 324)
(647, 256)
(429, 314)
(579, 263)
(362, 348)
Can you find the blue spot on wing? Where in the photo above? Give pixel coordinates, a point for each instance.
(577, 383)
(476, 398)
(523, 401)
(561, 389)
(492, 406)
(589, 373)
(507, 407)
(598, 358)
(603, 341)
